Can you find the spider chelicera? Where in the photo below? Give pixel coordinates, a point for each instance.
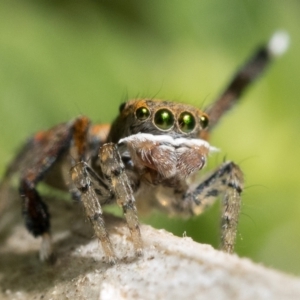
(154, 146)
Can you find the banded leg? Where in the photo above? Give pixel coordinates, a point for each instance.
(85, 183)
(227, 180)
(113, 168)
(248, 73)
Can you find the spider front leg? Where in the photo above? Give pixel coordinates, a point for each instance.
(227, 180)
(114, 170)
(86, 180)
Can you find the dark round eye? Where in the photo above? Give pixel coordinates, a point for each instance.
(186, 122)
(164, 119)
(142, 113)
(204, 121)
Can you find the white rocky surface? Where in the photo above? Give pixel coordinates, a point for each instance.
(171, 268)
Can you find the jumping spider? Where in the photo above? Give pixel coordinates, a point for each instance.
(154, 145)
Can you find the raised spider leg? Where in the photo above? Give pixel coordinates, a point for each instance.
(113, 168)
(227, 180)
(247, 74)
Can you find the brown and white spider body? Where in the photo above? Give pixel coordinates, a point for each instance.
(152, 145)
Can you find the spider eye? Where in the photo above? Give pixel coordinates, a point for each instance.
(142, 113)
(186, 122)
(164, 119)
(204, 121)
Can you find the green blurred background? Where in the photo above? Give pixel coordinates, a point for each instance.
(59, 59)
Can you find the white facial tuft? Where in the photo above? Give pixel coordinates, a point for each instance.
(166, 139)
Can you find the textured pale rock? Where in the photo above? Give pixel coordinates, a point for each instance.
(171, 268)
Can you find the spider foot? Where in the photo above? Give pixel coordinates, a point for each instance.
(46, 250)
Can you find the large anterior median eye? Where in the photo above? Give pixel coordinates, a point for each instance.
(142, 113)
(186, 122)
(164, 119)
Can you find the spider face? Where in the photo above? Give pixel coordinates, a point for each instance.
(147, 156)
(158, 117)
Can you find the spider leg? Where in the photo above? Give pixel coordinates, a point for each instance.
(92, 188)
(247, 74)
(113, 183)
(86, 181)
(228, 181)
(113, 168)
(45, 149)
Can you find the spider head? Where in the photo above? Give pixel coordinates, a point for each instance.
(158, 117)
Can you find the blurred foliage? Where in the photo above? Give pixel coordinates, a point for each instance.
(59, 59)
